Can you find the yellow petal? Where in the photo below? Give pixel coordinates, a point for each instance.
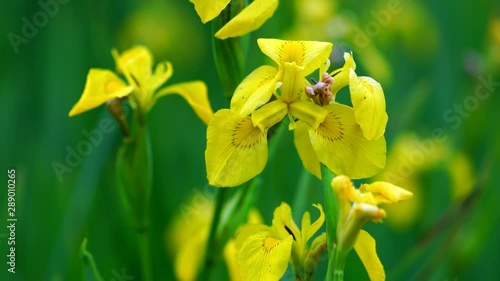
(236, 150)
(385, 192)
(255, 90)
(341, 75)
(163, 72)
(309, 54)
(246, 231)
(308, 112)
(135, 63)
(231, 257)
(195, 93)
(283, 224)
(292, 82)
(366, 249)
(189, 257)
(264, 257)
(344, 189)
(368, 100)
(209, 9)
(341, 146)
(250, 19)
(101, 86)
(270, 114)
(308, 229)
(305, 149)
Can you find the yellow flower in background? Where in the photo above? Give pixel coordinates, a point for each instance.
(356, 208)
(249, 19)
(265, 251)
(141, 86)
(347, 140)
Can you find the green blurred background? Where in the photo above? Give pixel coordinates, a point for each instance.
(428, 56)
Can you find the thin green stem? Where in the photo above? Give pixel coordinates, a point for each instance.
(89, 261)
(145, 254)
(213, 247)
(331, 213)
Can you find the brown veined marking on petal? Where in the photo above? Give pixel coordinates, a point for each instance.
(332, 128)
(289, 52)
(269, 243)
(245, 135)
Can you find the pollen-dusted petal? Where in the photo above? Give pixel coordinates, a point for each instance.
(308, 112)
(269, 115)
(368, 100)
(309, 54)
(305, 149)
(365, 247)
(385, 192)
(135, 63)
(195, 93)
(236, 149)
(341, 146)
(101, 86)
(209, 9)
(255, 90)
(264, 257)
(250, 19)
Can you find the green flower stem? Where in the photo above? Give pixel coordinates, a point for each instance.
(339, 264)
(212, 249)
(145, 252)
(301, 192)
(331, 213)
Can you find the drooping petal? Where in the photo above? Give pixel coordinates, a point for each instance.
(270, 114)
(209, 9)
(250, 19)
(246, 231)
(135, 63)
(340, 145)
(309, 54)
(385, 192)
(366, 249)
(236, 150)
(341, 75)
(368, 100)
(255, 90)
(264, 257)
(195, 93)
(101, 86)
(305, 149)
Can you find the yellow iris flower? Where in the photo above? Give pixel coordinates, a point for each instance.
(347, 140)
(249, 19)
(265, 251)
(357, 207)
(141, 85)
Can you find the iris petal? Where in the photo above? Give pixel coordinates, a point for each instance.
(264, 257)
(236, 150)
(366, 250)
(305, 149)
(101, 86)
(340, 145)
(309, 54)
(209, 9)
(249, 19)
(255, 90)
(368, 100)
(195, 93)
